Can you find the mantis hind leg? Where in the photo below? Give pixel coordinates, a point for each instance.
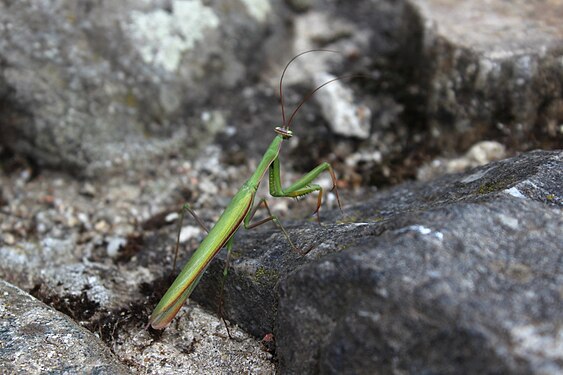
(271, 217)
(229, 247)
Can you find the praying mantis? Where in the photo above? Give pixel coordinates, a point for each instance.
(239, 212)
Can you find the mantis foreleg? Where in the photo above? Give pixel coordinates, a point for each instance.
(302, 186)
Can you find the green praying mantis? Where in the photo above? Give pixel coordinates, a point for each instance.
(240, 212)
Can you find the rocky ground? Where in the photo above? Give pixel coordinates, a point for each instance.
(446, 255)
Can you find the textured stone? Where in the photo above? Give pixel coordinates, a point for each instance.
(458, 275)
(451, 275)
(36, 339)
(106, 85)
(444, 75)
(493, 65)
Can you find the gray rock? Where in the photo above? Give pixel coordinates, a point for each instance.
(37, 339)
(106, 85)
(479, 154)
(462, 275)
(404, 248)
(480, 222)
(446, 74)
(425, 278)
(344, 117)
(492, 66)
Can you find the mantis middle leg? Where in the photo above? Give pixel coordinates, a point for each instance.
(186, 207)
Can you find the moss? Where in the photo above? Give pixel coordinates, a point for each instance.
(378, 219)
(491, 187)
(265, 275)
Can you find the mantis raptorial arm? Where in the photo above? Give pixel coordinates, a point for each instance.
(303, 185)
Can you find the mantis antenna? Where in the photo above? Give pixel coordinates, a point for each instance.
(283, 74)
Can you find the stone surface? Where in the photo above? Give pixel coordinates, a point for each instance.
(196, 343)
(479, 223)
(459, 275)
(445, 75)
(453, 265)
(494, 67)
(144, 81)
(107, 85)
(479, 154)
(57, 240)
(104, 86)
(36, 339)
(112, 304)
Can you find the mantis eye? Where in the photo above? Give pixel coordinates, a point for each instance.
(285, 133)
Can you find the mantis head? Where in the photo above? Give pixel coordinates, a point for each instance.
(285, 133)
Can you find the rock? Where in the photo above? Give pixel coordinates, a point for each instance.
(299, 5)
(454, 274)
(114, 301)
(37, 339)
(479, 154)
(492, 67)
(196, 343)
(109, 86)
(344, 117)
(445, 75)
(460, 275)
(399, 252)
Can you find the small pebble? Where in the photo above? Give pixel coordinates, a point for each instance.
(88, 190)
(9, 239)
(114, 245)
(101, 226)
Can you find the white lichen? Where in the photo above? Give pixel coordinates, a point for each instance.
(259, 9)
(163, 37)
